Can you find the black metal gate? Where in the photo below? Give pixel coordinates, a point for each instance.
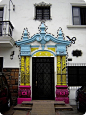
(43, 78)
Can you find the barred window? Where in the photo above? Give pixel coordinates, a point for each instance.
(76, 75)
(42, 13)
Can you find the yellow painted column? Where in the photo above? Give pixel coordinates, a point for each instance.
(27, 71)
(64, 70)
(58, 70)
(22, 70)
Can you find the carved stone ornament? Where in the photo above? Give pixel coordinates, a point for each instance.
(42, 4)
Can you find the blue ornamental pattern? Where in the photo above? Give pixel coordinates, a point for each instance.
(43, 37)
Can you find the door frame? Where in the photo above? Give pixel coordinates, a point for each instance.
(55, 74)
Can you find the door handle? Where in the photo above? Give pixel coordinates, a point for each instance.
(36, 83)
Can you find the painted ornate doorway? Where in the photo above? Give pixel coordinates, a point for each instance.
(43, 78)
(35, 82)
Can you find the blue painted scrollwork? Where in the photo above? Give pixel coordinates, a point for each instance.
(43, 37)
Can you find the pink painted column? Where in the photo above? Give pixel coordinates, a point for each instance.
(24, 94)
(62, 93)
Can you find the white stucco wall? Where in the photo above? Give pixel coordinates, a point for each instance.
(61, 14)
(7, 62)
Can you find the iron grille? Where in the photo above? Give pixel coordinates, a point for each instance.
(76, 75)
(43, 78)
(43, 12)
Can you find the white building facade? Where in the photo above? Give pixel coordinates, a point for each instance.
(64, 39)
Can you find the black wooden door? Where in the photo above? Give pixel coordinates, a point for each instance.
(43, 78)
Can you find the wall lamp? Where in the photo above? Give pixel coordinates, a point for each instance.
(9, 8)
(11, 55)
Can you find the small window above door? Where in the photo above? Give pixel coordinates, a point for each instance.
(42, 11)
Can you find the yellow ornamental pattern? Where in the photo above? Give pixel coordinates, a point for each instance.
(25, 70)
(53, 49)
(33, 49)
(43, 53)
(63, 70)
(58, 70)
(22, 70)
(27, 73)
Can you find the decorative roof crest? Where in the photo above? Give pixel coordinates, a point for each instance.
(42, 28)
(25, 34)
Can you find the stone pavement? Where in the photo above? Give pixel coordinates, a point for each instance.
(21, 112)
(9, 112)
(43, 108)
(74, 112)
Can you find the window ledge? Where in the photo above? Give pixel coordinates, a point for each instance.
(76, 26)
(78, 4)
(42, 19)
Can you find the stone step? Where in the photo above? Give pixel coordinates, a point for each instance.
(59, 103)
(20, 112)
(27, 104)
(66, 112)
(66, 107)
(20, 107)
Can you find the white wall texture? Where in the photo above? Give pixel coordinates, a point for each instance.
(61, 14)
